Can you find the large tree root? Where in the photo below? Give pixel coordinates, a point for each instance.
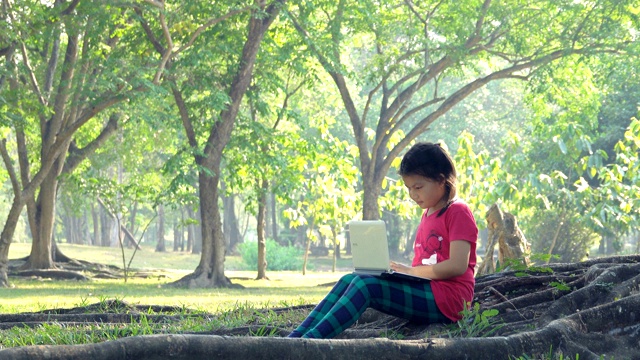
(590, 309)
(73, 269)
(569, 335)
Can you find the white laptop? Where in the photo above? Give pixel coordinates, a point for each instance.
(370, 250)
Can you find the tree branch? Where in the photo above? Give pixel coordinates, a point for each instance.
(8, 164)
(32, 75)
(208, 24)
(158, 4)
(49, 129)
(70, 9)
(464, 91)
(147, 30)
(184, 115)
(340, 82)
(167, 52)
(128, 235)
(77, 155)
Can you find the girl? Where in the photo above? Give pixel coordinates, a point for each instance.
(444, 251)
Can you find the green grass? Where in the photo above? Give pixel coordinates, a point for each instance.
(283, 288)
(230, 308)
(146, 258)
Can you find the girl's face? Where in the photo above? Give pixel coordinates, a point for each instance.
(427, 193)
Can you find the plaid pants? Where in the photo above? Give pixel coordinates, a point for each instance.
(353, 294)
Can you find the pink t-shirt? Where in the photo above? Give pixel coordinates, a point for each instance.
(433, 239)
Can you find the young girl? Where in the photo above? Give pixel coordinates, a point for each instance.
(444, 251)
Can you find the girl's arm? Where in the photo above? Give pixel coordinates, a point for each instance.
(456, 265)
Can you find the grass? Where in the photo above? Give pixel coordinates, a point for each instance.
(283, 288)
(230, 307)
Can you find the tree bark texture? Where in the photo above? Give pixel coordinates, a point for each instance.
(261, 229)
(160, 246)
(504, 232)
(273, 215)
(41, 254)
(230, 223)
(197, 233)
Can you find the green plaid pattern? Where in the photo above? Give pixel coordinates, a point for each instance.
(353, 294)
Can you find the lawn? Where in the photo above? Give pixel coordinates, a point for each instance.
(283, 288)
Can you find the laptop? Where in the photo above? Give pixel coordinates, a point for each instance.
(370, 250)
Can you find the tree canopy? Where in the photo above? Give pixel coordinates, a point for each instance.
(541, 89)
(301, 109)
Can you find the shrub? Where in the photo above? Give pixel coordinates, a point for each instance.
(278, 257)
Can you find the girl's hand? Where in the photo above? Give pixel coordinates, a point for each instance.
(401, 268)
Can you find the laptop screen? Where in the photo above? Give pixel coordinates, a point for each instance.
(369, 246)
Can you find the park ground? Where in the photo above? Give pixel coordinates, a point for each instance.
(154, 271)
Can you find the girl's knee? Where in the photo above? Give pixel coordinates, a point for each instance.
(348, 277)
(358, 281)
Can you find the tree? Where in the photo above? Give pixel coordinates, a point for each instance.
(225, 90)
(327, 198)
(160, 247)
(546, 184)
(65, 67)
(262, 164)
(408, 65)
(269, 142)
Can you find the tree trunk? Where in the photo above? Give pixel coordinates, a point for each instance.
(262, 241)
(230, 223)
(372, 186)
(307, 246)
(69, 224)
(503, 231)
(609, 249)
(132, 218)
(336, 248)
(128, 236)
(191, 229)
(197, 233)
(210, 271)
(40, 257)
(85, 237)
(106, 223)
(74, 228)
(160, 246)
(274, 219)
(5, 239)
(97, 238)
(178, 232)
(190, 237)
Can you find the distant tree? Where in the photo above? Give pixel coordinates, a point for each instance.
(213, 96)
(328, 197)
(66, 63)
(160, 246)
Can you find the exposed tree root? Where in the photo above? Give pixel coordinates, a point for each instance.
(589, 309)
(73, 269)
(201, 279)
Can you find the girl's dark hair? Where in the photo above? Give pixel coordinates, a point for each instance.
(434, 163)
